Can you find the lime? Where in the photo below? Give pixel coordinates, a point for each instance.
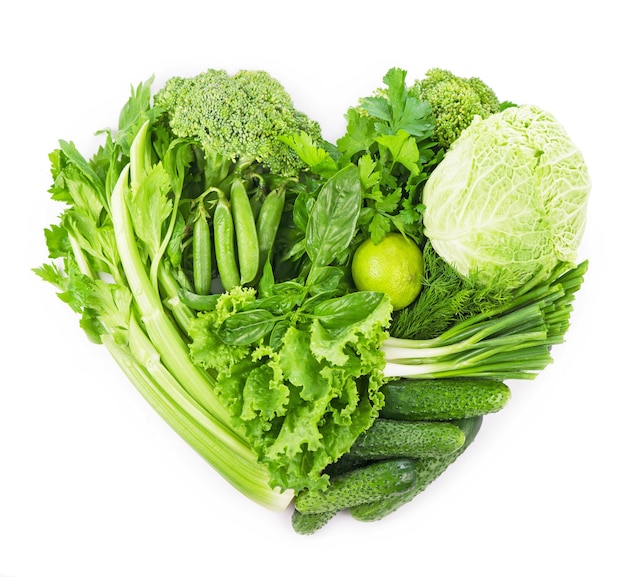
(394, 266)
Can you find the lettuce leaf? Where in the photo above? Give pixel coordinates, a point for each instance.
(302, 402)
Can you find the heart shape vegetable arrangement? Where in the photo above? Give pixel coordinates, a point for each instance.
(209, 244)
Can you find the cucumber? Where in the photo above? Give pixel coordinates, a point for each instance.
(391, 438)
(364, 484)
(347, 462)
(308, 523)
(428, 469)
(443, 399)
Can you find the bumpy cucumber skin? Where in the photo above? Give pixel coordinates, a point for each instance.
(392, 438)
(428, 470)
(309, 523)
(374, 481)
(347, 462)
(443, 399)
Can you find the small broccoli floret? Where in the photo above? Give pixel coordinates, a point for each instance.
(238, 116)
(455, 102)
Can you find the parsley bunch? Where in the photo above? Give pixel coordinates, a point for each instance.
(389, 137)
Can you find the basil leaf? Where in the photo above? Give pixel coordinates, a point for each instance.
(334, 215)
(347, 310)
(246, 327)
(302, 207)
(278, 334)
(266, 282)
(327, 279)
(279, 304)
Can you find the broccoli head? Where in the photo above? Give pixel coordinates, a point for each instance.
(238, 116)
(455, 102)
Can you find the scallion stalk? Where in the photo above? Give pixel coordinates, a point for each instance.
(512, 342)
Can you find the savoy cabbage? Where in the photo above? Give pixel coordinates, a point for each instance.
(507, 204)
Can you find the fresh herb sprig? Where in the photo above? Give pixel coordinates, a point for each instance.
(446, 298)
(388, 138)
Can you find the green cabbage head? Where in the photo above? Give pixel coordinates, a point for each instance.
(508, 202)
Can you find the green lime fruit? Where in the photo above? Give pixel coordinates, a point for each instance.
(394, 266)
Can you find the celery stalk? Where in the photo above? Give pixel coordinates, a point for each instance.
(171, 368)
(227, 455)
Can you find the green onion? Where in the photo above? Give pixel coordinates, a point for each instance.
(511, 342)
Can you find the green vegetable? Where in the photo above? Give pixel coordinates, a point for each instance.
(299, 365)
(331, 225)
(225, 248)
(309, 523)
(299, 398)
(245, 232)
(512, 341)
(443, 399)
(202, 259)
(389, 139)
(196, 301)
(381, 479)
(388, 437)
(427, 471)
(239, 116)
(455, 101)
(285, 382)
(394, 437)
(113, 239)
(268, 222)
(446, 298)
(507, 204)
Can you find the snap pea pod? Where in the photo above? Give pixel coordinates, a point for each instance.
(268, 222)
(196, 301)
(201, 249)
(427, 470)
(224, 240)
(245, 232)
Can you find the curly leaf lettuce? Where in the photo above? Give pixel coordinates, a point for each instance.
(303, 401)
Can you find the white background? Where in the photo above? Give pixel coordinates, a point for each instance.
(92, 483)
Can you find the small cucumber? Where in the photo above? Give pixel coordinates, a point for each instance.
(428, 469)
(388, 438)
(368, 483)
(443, 399)
(308, 523)
(347, 462)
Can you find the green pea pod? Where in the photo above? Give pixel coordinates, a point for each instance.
(268, 221)
(198, 302)
(245, 232)
(224, 241)
(202, 261)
